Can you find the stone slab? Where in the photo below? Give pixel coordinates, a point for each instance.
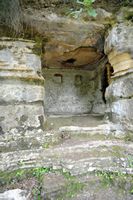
(21, 115)
(20, 92)
(16, 194)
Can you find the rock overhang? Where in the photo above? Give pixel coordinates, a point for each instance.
(67, 42)
(75, 45)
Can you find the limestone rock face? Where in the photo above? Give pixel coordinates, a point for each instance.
(70, 91)
(119, 48)
(121, 87)
(53, 186)
(15, 194)
(73, 49)
(125, 14)
(21, 86)
(120, 98)
(67, 42)
(74, 44)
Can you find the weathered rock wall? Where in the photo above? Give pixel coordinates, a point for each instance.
(70, 91)
(119, 48)
(21, 86)
(72, 56)
(120, 98)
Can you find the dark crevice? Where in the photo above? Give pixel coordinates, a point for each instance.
(69, 61)
(107, 72)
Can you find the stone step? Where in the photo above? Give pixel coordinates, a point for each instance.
(91, 186)
(29, 139)
(77, 157)
(58, 185)
(103, 131)
(103, 187)
(54, 122)
(35, 139)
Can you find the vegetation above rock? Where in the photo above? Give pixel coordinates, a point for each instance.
(12, 12)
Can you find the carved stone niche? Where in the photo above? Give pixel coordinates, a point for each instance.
(21, 86)
(119, 95)
(72, 92)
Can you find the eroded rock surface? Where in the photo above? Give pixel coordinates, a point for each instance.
(72, 53)
(119, 48)
(71, 91)
(53, 186)
(16, 194)
(67, 42)
(22, 90)
(74, 44)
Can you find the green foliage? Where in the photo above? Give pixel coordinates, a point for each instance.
(20, 174)
(13, 177)
(127, 2)
(106, 177)
(128, 137)
(86, 6)
(73, 185)
(73, 188)
(131, 191)
(36, 192)
(130, 161)
(67, 175)
(38, 172)
(46, 145)
(37, 49)
(118, 179)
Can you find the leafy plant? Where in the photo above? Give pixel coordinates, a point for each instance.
(20, 173)
(87, 6)
(38, 172)
(107, 177)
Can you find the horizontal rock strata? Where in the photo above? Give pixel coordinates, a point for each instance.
(21, 85)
